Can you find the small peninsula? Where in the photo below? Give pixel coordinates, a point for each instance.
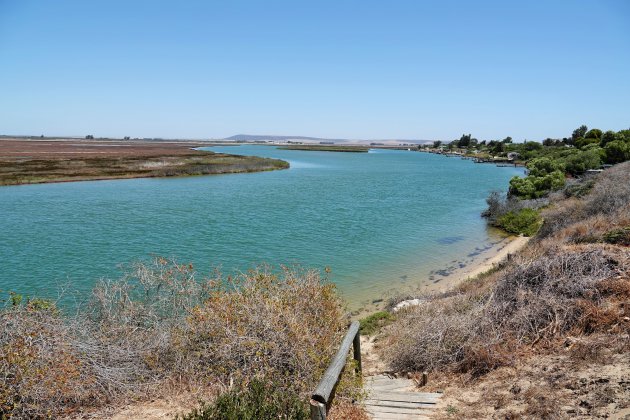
(63, 160)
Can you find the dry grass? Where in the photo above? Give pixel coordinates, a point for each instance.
(568, 294)
(160, 330)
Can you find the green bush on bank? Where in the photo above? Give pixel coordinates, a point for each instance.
(256, 401)
(523, 222)
(372, 323)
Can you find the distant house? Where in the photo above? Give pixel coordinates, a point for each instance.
(512, 155)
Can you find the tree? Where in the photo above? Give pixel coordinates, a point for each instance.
(581, 161)
(609, 136)
(464, 140)
(543, 166)
(579, 132)
(617, 151)
(507, 140)
(582, 142)
(437, 144)
(89, 137)
(594, 133)
(498, 147)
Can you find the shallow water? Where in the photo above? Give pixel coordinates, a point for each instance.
(379, 220)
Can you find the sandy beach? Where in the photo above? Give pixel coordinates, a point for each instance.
(452, 274)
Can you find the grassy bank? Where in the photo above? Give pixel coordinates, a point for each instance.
(547, 335)
(33, 171)
(324, 148)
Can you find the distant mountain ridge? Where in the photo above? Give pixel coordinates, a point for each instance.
(250, 137)
(258, 137)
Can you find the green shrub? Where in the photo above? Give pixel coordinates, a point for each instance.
(619, 236)
(526, 222)
(372, 323)
(257, 401)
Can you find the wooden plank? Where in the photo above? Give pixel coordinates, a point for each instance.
(399, 410)
(404, 404)
(331, 376)
(406, 397)
(377, 382)
(391, 387)
(392, 416)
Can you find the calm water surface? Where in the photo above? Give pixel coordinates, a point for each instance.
(377, 219)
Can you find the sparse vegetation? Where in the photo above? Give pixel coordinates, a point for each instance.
(561, 300)
(263, 335)
(373, 323)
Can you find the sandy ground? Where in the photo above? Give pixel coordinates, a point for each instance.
(444, 279)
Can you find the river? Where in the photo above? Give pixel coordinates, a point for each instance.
(381, 221)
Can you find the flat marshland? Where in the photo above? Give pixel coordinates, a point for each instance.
(42, 161)
(326, 148)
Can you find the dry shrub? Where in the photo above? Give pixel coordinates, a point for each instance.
(282, 328)
(595, 317)
(347, 411)
(538, 298)
(481, 358)
(433, 335)
(532, 299)
(541, 404)
(159, 330)
(42, 370)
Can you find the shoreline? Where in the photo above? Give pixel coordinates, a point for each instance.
(449, 278)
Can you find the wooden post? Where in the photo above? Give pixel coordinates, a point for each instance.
(322, 398)
(356, 345)
(425, 379)
(318, 410)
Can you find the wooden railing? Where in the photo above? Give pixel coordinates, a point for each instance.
(321, 399)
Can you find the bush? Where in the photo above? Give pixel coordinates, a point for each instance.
(525, 222)
(372, 323)
(160, 326)
(256, 401)
(619, 236)
(617, 151)
(534, 299)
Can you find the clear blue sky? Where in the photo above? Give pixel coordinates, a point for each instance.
(342, 69)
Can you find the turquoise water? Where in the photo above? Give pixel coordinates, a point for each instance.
(379, 220)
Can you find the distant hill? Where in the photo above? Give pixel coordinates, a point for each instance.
(251, 137)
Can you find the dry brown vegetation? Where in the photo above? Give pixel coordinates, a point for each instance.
(29, 162)
(547, 335)
(159, 331)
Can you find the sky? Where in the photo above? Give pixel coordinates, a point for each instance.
(337, 69)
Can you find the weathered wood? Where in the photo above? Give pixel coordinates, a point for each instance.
(408, 411)
(425, 379)
(382, 412)
(397, 416)
(405, 404)
(423, 397)
(318, 410)
(356, 344)
(331, 376)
